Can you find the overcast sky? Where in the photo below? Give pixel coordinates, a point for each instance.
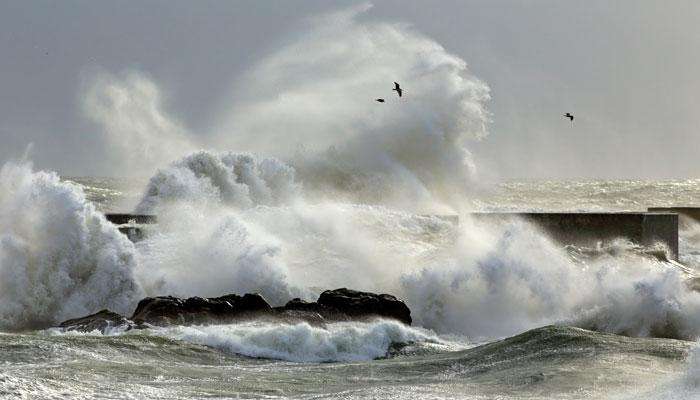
(627, 70)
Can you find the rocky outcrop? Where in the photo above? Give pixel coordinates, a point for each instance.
(332, 306)
(168, 310)
(102, 321)
(356, 304)
(346, 304)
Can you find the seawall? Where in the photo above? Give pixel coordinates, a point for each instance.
(578, 228)
(586, 229)
(692, 212)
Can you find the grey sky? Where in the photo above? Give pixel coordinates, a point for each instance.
(626, 69)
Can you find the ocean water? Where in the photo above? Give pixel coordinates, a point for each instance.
(495, 319)
(308, 184)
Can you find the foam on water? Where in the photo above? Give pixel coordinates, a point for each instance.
(235, 180)
(478, 280)
(342, 212)
(504, 280)
(58, 256)
(691, 379)
(344, 341)
(317, 186)
(683, 386)
(216, 253)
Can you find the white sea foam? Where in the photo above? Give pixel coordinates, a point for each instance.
(212, 252)
(235, 180)
(482, 281)
(511, 278)
(344, 341)
(59, 258)
(313, 104)
(344, 211)
(682, 386)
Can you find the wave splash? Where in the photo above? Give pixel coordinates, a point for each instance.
(232, 179)
(59, 257)
(343, 341)
(471, 279)
(344, 212)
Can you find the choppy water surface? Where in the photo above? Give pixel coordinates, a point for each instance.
(591, 195)
(454, 356)
(548, 362)
(335, 192)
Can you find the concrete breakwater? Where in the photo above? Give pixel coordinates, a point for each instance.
(691, 212)
(658, 225)
(131, 224)
(123, 219)
(586, 229)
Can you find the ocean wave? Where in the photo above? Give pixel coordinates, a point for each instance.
(342, 341)
(235, 180)
(59, 257)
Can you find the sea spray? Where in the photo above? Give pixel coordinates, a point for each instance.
(301, 342)
(313, 106)
(340, 203)
(473, 279)
(137, 132)
(505, 279)
(233, 179)
(213, 252)
(59, 258)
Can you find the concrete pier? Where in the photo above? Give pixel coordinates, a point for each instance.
(586, 229)
(129, 224)
(692, 212)
(123, 219)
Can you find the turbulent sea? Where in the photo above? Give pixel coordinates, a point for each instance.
(487, 326)
(309, 184)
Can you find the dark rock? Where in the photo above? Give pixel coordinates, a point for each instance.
(168, 310)
(298, 304)
(332, 306)
(312, 312)
(99, 321)
(295, 316)
(363, 304)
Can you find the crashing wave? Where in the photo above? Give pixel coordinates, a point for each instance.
(342, 341)
(236, 180)
(59, 257)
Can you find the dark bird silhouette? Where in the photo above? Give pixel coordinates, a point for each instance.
(397, 88)
(380, 100)
(569, 116)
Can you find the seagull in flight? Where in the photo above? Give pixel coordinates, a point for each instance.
(569, 116)
(397, 88)
(379, 100)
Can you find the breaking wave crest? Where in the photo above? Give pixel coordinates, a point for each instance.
(313, 106)
(344, 341)
(346, 210)
(235, 180)
(58, 256)
(503, 280)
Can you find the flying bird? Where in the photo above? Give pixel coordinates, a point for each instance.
(379, 100)
(397, 88)
(569, 116)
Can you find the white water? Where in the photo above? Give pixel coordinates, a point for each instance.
(345, 341)
(59, 258)
(342, 210)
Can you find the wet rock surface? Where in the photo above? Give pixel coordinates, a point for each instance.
(332, 306)
(102, 321)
